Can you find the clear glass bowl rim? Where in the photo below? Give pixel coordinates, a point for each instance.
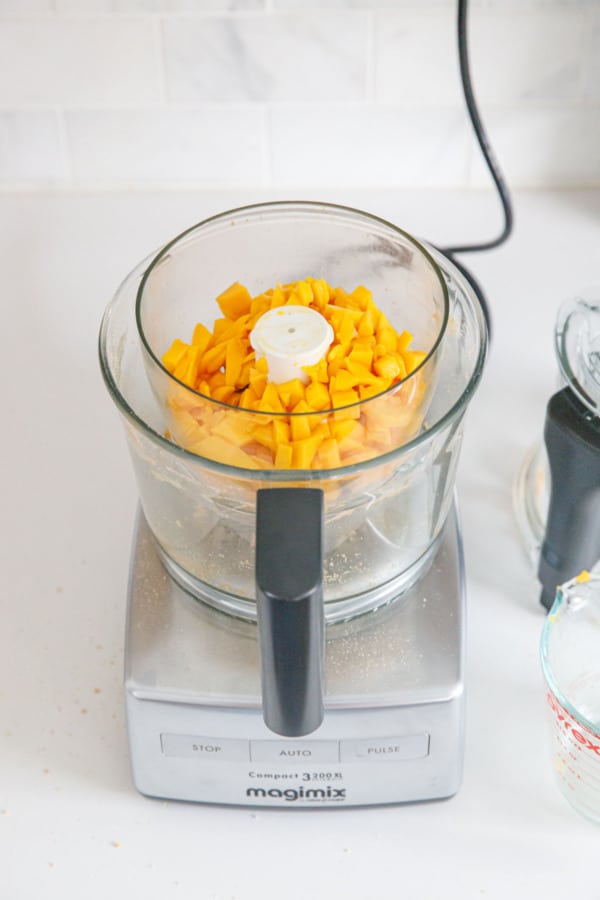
(255, 211)
(439, 263)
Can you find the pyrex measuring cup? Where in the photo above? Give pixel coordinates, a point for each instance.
(570, 653)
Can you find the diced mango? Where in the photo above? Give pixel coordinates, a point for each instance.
(304, 451)
(362, 357)
(281, 430)
(174, 355)
(404, 339)
(224, 393)
(387, 338)
(278, 298)
(270, 401)
(284, 456)
(234, 358)
(361, 296)
(317, 396)
(299, 427)
(388, 367)
(343, 398)
(320, 291)
(201, 337)
(332, 420)
(318, 372)
(366, 326)
(215, 358)
(344, 381)
(291, 392)
(362, 374)
(328, 456)
(235, 301)
(217, 448)
(265, 436)
(412, 359)
(233, 428)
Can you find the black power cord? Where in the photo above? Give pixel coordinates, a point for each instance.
(490, 160)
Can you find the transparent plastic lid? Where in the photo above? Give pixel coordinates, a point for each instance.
(577, 338)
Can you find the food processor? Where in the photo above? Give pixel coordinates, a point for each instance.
(556, 492)
(295, 630)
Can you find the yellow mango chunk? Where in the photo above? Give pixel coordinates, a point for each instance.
(217, 448)
(234, 358)
(317, 372)
(291, 392)
(264, 435)
(303, 451)
(281, 430)
(299, 427)
(317, 396)
(412, 359)
(284, 456)
(328, 456)
(224, 393)
(235, 301)
(388, 367)
(361, 296)
(215, 358)
(344, 398)
(174, 355)
(201, 337)
(270, 401)
(320, 292)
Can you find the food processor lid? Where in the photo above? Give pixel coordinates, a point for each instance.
(577, 341)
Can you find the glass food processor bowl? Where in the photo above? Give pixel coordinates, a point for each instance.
(387, 493)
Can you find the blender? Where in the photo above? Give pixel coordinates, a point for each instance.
(556, 492)
(295, 633)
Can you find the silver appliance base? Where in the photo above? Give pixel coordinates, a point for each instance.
(394, 723)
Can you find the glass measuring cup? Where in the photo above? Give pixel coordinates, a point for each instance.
(570, 655)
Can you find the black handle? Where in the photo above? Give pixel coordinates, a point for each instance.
(289, 596)
(572, 539)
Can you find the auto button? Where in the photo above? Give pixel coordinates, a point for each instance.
(294, 751)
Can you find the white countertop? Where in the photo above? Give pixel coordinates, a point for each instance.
(71, 822)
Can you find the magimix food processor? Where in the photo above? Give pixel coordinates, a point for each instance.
(295, 631)
(557, 496)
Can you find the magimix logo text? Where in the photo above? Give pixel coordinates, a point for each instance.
(291, 794)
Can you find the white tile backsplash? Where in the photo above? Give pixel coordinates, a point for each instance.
(207, 146)
(295, 93)
(289, 58)
(31, 148)
(415, 58)
(369, 145)
(544, 146)
(527, 56)
(78, 62)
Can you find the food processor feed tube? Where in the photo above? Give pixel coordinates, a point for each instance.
(572, 437)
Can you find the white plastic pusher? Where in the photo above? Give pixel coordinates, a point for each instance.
(290, 337)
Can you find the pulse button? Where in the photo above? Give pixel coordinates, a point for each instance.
(394, 749)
